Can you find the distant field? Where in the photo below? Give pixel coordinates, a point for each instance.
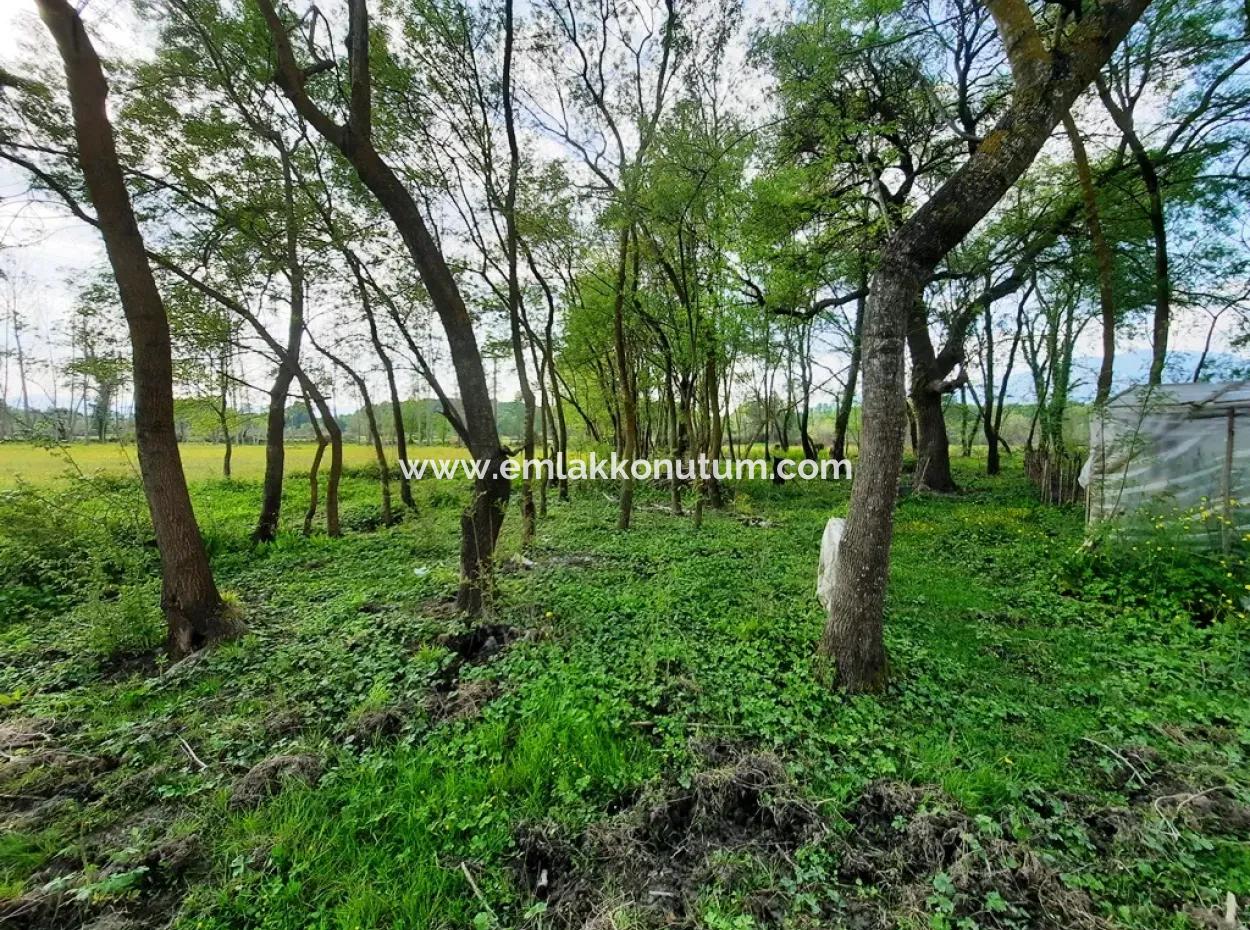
(199, 460)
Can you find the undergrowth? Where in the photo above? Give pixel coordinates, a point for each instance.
(1036, 687)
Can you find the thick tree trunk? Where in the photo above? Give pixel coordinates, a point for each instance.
(1046, 83)
(931, 438)
(933, 451)
(193, 608)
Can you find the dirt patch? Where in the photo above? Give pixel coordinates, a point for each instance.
(377, 726)
(1164, 793)
(479, 643)
(127, 664)
(661, 852)
(267, 778)
(27, 733)
(284, 724)
(910, 852)
(30, 778)
(453, 698)
(464, 701)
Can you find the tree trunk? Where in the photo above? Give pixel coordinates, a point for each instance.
(315, 470)
(1102, 258)
(933, 452)
(853, 639)
(481, 521)
(225, 434)
(275, 424)
(715, 493)
(375, 435)
(993, 465)
(932, 441)
(674, 433)
(1158, 227)
(560, 425)
(514, 288)
(838, 449)
(628, 401)
(193, 609)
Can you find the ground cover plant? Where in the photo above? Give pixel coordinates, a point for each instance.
(630, 741)
(261, 666)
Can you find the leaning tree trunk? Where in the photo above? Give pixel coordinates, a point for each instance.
(837, 451)
(314, 470)
(193, 608)
(481, 522)
(375, 435)
(1046, 83)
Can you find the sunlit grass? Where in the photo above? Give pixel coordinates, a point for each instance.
(41, 464)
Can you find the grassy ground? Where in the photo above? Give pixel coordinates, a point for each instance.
(641, 739)
(201, 461)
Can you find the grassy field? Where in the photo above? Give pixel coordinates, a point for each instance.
(200, 461)
(640, 738)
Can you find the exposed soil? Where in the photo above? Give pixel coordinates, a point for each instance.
(903, 837)
(377, 726)
(479, 643)
(659, 853)
(267, 778)
(126, 664)
(463, 701)
(1163, 792)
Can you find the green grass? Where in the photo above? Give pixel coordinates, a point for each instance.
(1008, 689)
(200, 460)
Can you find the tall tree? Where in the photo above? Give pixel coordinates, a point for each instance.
(481, 522)
(1046, 81)
(194, 611)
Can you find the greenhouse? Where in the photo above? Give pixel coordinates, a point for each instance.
(1174, 447)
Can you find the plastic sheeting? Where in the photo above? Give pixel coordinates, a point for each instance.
(829, 544)
(1173, 447)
